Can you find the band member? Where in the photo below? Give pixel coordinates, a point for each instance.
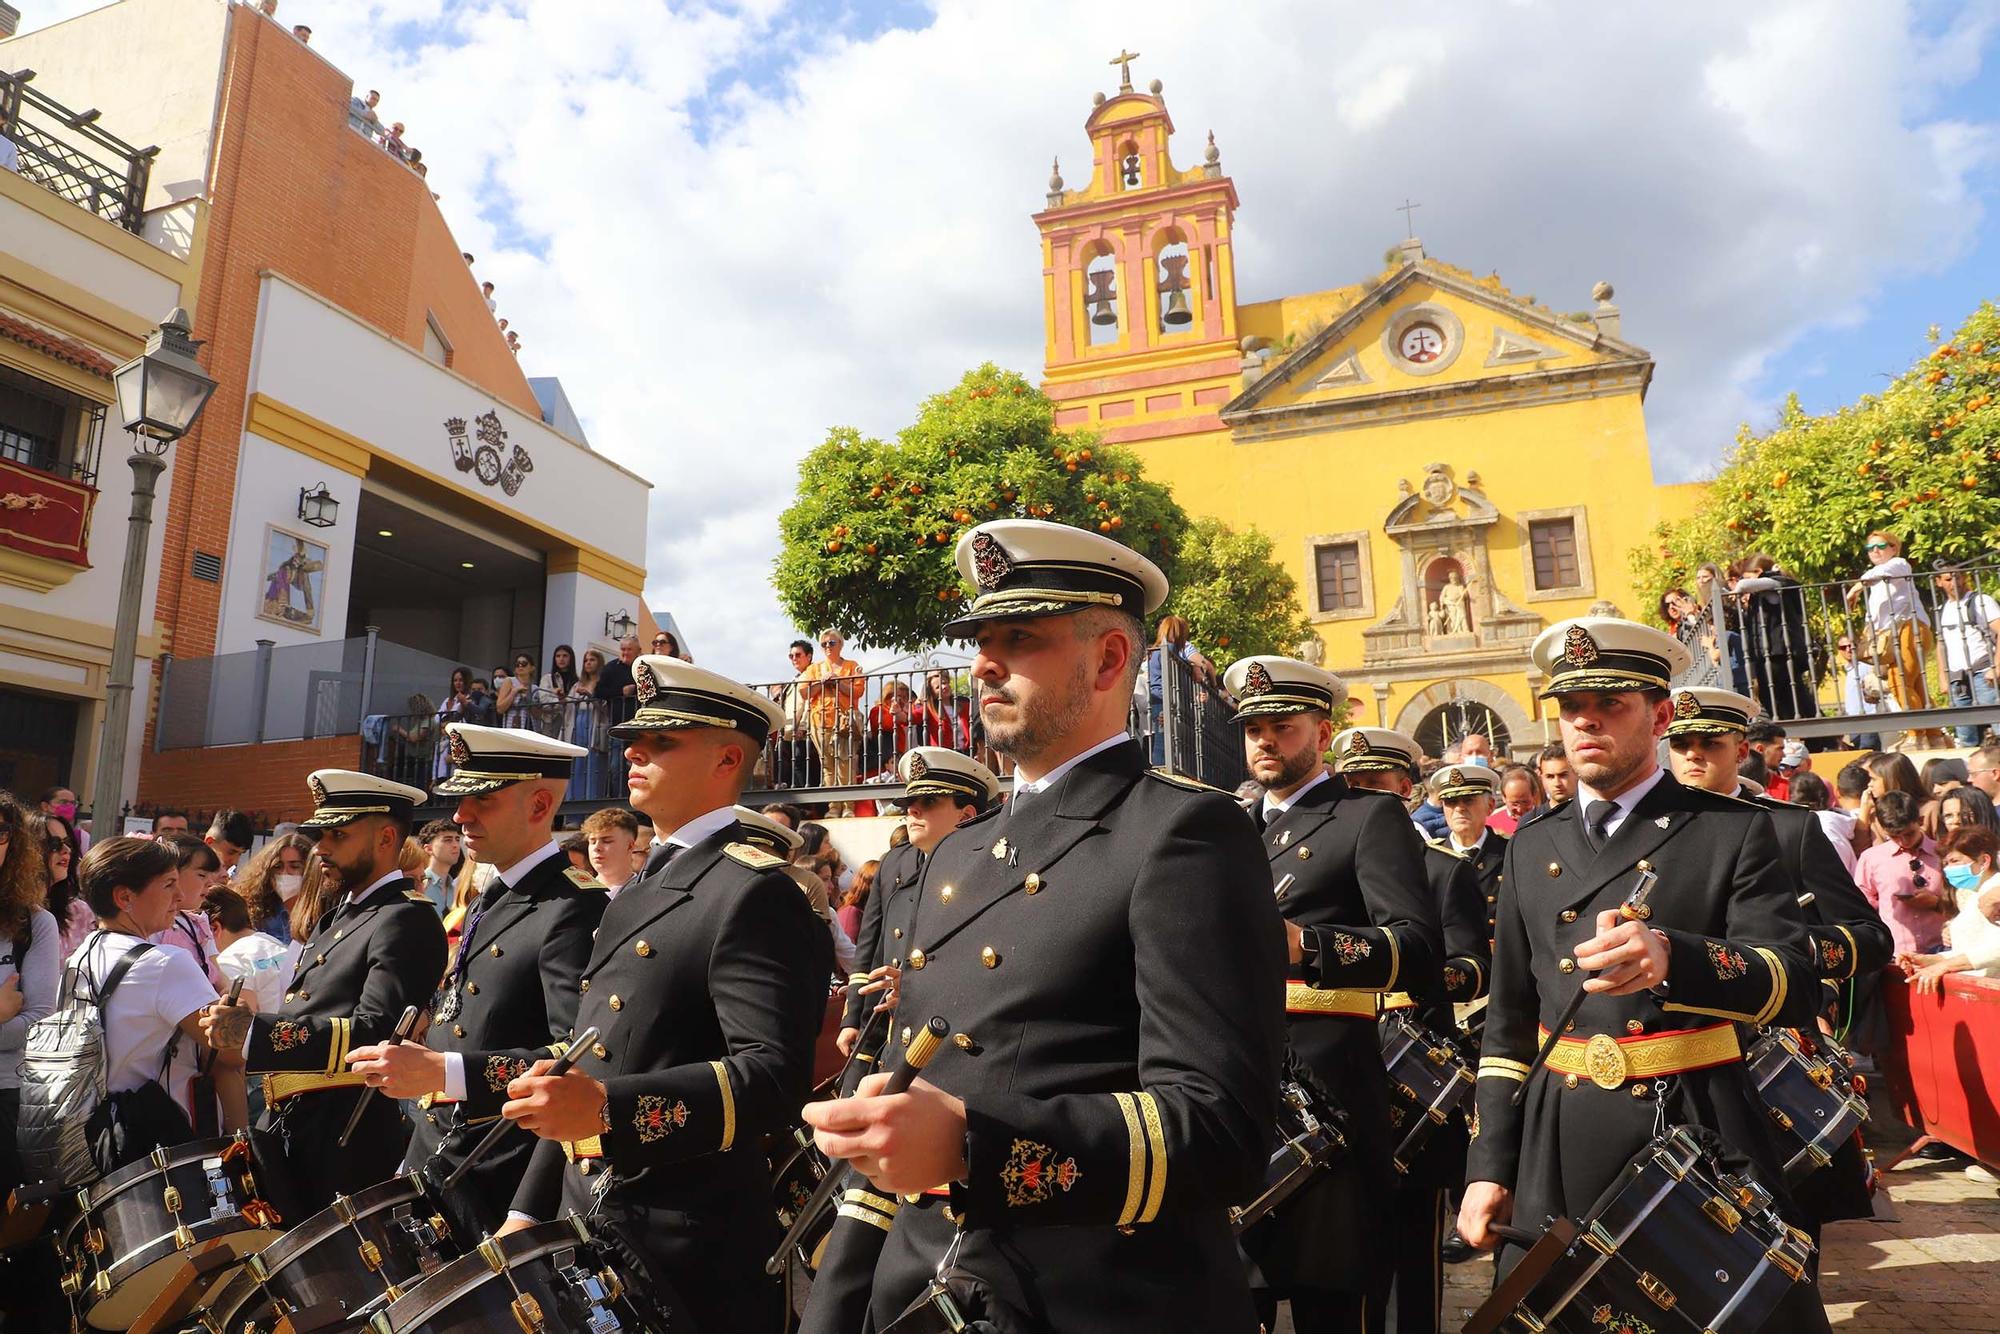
(1418, 1218)
(377, 951)
(1347, 867)
(1708, 746)
(707, 984)
(944, 789)
(1722, 943)
(1110, 952)
(509, 995)
(1474, 794)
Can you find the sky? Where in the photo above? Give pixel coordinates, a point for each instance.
(728, 227)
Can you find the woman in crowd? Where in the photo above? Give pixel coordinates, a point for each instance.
(1942, 773)
(857, 899)
(669, 643)
(151, 1032)
(888, 729)
(555, 687)
(65, 899)
(30, 961)
(275, 879)
(196, 870)
(1890, 772)
(1810, 791)
(472, 881)
(519, 702)
(580, 726)
(1964, 806)
(411, 739)
(1971, 857)
(948, 719)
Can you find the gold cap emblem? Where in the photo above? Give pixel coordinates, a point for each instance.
(318, 790)
(1579, 649)
(1256, 681)
(459, 752)
(1452, 778)
(917, 768)
(1686, 705)
(990, 562)
(643, 684)
(1358, 744)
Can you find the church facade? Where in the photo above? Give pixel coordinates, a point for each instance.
(1447, 468)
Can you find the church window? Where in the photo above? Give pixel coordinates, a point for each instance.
(1100, 295)
(1338, 567)
(1552, 543)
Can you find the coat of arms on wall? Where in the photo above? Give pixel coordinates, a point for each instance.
(485, 454)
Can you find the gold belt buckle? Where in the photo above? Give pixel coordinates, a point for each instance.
(1604, 1061)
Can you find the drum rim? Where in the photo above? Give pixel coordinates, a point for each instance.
(530, 1243)
(96, 1195)
(296, 1241)
(129, 1266)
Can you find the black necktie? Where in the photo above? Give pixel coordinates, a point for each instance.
(659, 857)
(1262, 810)
(1595, 817)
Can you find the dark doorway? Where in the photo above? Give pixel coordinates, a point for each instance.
(1449, 721)
(37, 742)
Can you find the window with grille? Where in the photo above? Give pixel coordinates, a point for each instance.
(1553, 544)
(1338, 568)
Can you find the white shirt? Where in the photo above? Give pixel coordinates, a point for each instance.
(1055, 775)
(1273, 807)
(1838, 826)
(1892, 597)
(699, 828)
(1469, 848)
(1972, 934)
(163, 987)
(454, 1061)
(262, 963)
(1963, 625)
(1624, 801)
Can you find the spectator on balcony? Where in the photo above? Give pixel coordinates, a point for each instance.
(580, 710)
(1966, 805)
(10, 157)
(1776, 639)
(888, 733)
(793, 762)
(1971, 858)
(1174, 639)
(268, 8)
(1901, 875)
(444, 844)
(1860, 689)
(1897, 620)
(303, 33)
(514, 342)
(230, 834)
(1982, 769)
(479, 705)
(948, 719)
(1968, 625)
(412, 738)
(665, 641)
(170, 821)
(1691, 624)
(457, 697)
(614, 683)
(392, 143)
(611, 836)
(833, 689)
(486, 291)
(362, 116)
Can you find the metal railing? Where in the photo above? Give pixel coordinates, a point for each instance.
(1910, 652)
(67, 154)
(411, 747)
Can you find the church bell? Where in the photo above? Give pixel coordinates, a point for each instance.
(1176, 312)
(1101, 296)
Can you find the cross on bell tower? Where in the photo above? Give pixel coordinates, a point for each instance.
(1123, 60)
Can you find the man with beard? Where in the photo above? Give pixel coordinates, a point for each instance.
(707, 984)
(379, 950)
(1419, 1220)
(1109, 951)
(510, 995)
(1849, 938)
(1722, 943)
(944, 789)
(1348, 872)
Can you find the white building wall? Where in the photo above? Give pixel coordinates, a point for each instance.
(268, 478)
(575, 612)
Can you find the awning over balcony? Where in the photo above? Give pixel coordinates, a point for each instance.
(44, 515)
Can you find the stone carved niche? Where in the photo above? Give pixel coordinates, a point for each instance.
(1448, 604)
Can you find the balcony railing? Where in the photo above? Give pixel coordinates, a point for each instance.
(67, 154)
(1858, 656)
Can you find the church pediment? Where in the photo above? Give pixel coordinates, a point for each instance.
(1432, 339)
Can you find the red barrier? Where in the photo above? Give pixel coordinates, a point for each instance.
(1944, 1061)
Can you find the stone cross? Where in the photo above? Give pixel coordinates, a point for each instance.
(1124, 61)
(1409, 226)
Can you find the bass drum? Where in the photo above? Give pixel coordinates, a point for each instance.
(551, 1278)
(361, 1252)
(135, 1227)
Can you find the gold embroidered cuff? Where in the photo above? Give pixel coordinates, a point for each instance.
(728, 1107)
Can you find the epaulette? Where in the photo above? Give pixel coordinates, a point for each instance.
(582, 879)
(1185, 783)
(1445, 847)
(416, 896)
(755, 858)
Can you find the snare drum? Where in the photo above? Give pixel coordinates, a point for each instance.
(1430, 1081)
(552, 1278)
(1310, 1138)
(136, 1226)
(1810, 1095)
(363, 1251)
(797, 1168)
(1675, 1244)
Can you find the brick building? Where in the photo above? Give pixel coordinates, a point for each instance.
(375, 492)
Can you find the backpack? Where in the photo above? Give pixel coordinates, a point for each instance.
(65, 1074)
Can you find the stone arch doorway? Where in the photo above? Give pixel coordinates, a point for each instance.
(1439, 714)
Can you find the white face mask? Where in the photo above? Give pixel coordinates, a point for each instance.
(288, 886)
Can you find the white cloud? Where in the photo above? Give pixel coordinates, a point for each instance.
(835, 244)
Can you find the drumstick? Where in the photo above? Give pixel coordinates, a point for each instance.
(861, 1054)
(578, 1047)
(928, 1041)
(1633, 909)
(404, 1027)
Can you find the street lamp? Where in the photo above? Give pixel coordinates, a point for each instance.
(619, 625)
(160, 393)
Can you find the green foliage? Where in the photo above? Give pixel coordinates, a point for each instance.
(1921, 460)
(1232, 589)
(868, 543)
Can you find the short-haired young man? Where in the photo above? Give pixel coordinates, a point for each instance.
(170, 821)
(379, 949)
(611, 835)
(1901, 875)
(1767, 747)
(1982, 768)
(1558, 779)
(445, 846)
(230, 833)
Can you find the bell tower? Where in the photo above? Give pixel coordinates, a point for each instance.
(1137, 268)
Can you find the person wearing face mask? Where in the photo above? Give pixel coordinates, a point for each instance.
(61, 803)
(1971, 856)
(274, 880)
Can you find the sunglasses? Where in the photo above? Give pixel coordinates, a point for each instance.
(1917, 880)
(659, 643)
(1844, 647)
(1881, 546)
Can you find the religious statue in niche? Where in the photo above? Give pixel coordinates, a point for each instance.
(1455, 600)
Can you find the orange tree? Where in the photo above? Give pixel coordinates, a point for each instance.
(868, 542)
(1921, 459)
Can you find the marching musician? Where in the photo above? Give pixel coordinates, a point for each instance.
(1474, 797)
(1108, 950)
(707, 984)
(1721, 943)
(1380, 760)
(943, 790)
(1347, 868)
(510, 994)
(379, 950)
(1708, 745)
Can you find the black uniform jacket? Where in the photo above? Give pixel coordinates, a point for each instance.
(364, 965)
(1739, 956)
(1489, 864)
(1849, 937)
(515, 1004)
(1110, 951)
(885, 924)
(1347, 865)
(707, 983)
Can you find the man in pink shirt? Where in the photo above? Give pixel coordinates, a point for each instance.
(1901, 876)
